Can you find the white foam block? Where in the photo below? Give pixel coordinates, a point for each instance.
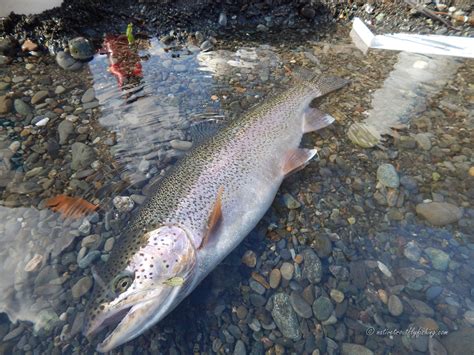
(455, 46)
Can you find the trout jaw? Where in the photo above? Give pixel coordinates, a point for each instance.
(140, 317)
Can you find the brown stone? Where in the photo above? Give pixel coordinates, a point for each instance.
(6, 104)
(29, 46)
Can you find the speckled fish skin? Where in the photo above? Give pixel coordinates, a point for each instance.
(243, 165)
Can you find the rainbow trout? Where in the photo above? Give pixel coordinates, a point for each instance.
(200, 211)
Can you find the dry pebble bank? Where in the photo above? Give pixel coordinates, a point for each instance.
(365, 251)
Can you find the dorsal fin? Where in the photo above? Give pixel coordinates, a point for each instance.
(202, 131)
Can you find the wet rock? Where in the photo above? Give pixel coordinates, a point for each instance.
(88, 259)
(262, 28)
(24, 188)
(388, 176)
(19, 78)
(39, 97)
(257, 300)
(457, 342)
(109, 244)
(4, 86)
(41, 122)
(46, 320)
(88, 95)
(4, 60)
(438, 258)
(29, 46)
(337, 295)
(301, 307)
(222, 19)
(22, 107)
(355, 349)
(290, 202)
(285, 317)
(312, 269)
(423, 141)
(67, 62)
(308, 12)
(34, 264)
(206, 46)
(358, 274)
(82, 156)
(249, 258)
(81, 287)
(8, 46)
(395, 306)
(322, 245)
(412, 251)
(322, 308)
(181, 145)
(364, 135)
(385, 270)
(85, 227)
(275, 278)
(14, 333)
(59, 90)
(65, 129)
(421, 307)
(287, 270)
(469, 317)
(439, 213)
(80, 48)
(90, 105)
(91, 241)
(433, 292)
(427, 323)
(123, 203)
(239, 348)
(255, 286)
(6, 104)
(407, 142)
(435, 347)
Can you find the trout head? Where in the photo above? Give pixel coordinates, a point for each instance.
(142, 288)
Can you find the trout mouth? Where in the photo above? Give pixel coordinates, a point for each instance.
(139, 317)
(93, 329)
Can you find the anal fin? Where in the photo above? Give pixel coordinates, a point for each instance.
(296, 159)
(214, 218)
(315, 120)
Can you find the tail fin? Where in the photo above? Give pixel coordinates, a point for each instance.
(321, 85)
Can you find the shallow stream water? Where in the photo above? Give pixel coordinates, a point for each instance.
(368, 249)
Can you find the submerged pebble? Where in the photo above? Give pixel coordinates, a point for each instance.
(285, 317)
(388, 176)
(123, 203)
(439, 213)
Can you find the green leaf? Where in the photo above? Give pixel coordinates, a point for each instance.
(129, 34)
(174, 281)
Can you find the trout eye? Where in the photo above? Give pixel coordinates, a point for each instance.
(122, 282)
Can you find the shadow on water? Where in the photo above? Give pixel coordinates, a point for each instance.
(128, 123)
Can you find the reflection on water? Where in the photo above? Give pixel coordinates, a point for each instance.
(403, 95)
(151, 112)
(119, 124)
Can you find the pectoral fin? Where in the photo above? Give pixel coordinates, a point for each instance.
(296, 159)
(315, 119)
(214, 218)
